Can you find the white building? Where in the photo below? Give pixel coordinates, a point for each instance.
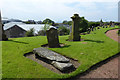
(19, 29)
(119, 11)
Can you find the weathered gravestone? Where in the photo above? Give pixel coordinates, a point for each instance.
(52, 37)
(2, 34)
(60, 62)
(75, 35)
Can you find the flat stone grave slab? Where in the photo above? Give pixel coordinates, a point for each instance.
(50, 55)
(61, 63)
(63, 66)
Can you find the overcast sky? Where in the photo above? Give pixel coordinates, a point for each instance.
(59, 10)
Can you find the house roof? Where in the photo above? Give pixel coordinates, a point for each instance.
(24, 26)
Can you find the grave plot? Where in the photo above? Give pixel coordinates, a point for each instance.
(52, 60)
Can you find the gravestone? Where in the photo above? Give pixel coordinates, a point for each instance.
(75, 35)
(52, 37)
(106, 26)
(92, 28)
(2, 34)
(70, 30)
(101, 23)
(58, 61)
(113, 24)
(95, 28)
(88, 30)
(103, 26)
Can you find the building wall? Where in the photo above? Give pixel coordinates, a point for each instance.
(15, 32)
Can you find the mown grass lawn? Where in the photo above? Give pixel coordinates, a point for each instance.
(14, 65)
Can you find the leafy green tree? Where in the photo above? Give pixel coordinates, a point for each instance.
(46, 26)
(95, 24)
(63, 30)
(30, 22)
(83, 25)
(44, 29)
(30, 32)
(48, 21)
(67, 22)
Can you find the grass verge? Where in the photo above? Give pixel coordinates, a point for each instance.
(97, 48)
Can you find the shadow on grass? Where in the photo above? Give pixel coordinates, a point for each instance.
(94, 67)
(94, 41)
(18, 42)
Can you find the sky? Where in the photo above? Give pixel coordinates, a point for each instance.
(60, 10)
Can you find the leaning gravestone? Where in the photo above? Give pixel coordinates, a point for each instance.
(2, 34)
(75, 35)
(52, 37)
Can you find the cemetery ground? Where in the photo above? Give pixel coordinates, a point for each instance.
(95, 48)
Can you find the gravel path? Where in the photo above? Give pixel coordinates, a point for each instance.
(113, 35)
(106, 69)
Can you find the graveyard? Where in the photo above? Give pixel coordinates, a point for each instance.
(92, 49)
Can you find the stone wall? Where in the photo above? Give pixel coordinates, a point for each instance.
(15, 32)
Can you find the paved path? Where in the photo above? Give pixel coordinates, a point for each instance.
(106, 69)
(113, 35)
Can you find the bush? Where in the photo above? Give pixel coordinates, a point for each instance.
(43, 31)
(63, 30)
(95, 24)
(67, 22)
(30, 32)
(48, 21)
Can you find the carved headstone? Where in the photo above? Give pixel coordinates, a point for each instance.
(75, 35)
(2, 34)
(52, 37)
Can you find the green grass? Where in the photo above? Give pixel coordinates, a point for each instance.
(15, 65)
